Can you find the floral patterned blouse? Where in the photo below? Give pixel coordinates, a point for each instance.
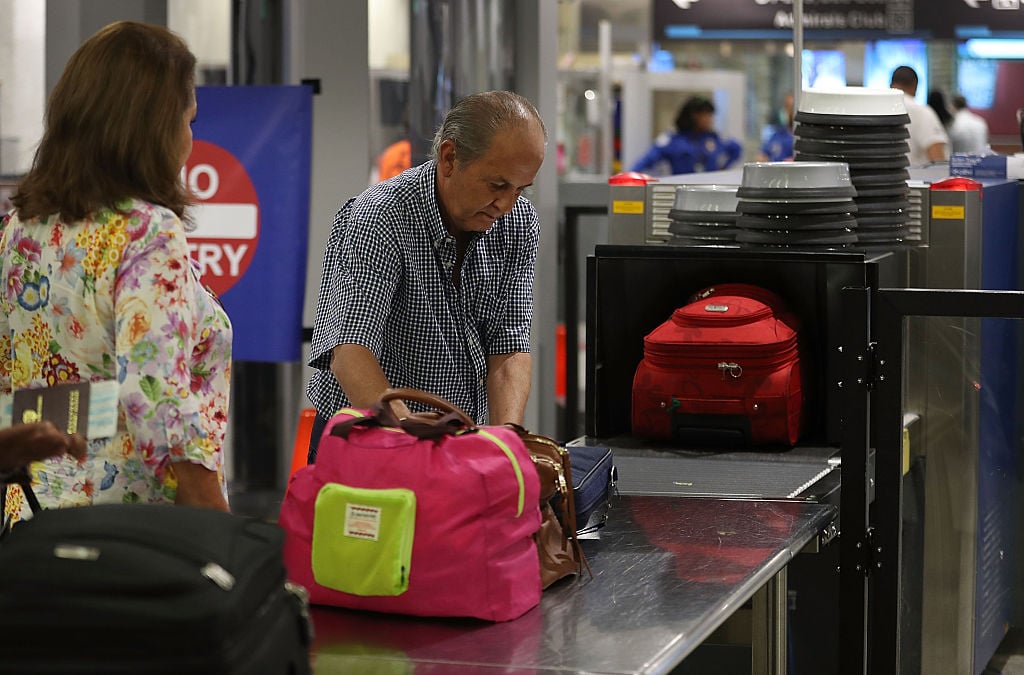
(116, 297)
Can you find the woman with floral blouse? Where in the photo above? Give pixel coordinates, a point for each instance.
(98, 284)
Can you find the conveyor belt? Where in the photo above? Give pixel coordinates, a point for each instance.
(714, 477)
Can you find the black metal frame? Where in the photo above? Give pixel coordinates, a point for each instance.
(569, 427)
(875, 329)
(854, 496)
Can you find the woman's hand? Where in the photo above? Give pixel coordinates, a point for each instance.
(23, 444)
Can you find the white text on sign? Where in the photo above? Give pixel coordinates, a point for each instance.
(220, 222)
(209, 258)
(216, 222)
(200, 171)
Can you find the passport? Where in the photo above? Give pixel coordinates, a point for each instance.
(86, 408)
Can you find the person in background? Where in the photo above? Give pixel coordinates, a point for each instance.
(428, 277)
(969, 131)
(937, 102)
(395, 159)
(695, 145)
(98, 284)
(928, 139)
(779, 145)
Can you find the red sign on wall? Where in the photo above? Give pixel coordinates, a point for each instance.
(227, 215)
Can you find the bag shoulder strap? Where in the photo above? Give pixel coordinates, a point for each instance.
(23, 479)
(422, 425)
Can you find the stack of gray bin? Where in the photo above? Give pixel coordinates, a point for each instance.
(704, 215)
(867, 129)
(796, 205)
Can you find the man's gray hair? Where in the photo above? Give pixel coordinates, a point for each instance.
(474, 121)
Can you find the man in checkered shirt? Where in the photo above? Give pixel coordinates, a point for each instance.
(428, 276)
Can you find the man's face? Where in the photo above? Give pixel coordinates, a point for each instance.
(474, 195)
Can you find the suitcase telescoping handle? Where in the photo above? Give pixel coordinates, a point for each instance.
(421, 425)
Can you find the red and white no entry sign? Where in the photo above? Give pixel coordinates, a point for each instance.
(227, 215)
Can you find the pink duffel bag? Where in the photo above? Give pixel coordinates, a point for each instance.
(429, 516)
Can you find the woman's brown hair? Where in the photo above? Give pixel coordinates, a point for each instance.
(113, 126)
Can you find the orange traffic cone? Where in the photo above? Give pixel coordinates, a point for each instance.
(302, 436)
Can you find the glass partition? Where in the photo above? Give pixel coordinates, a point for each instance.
(940, 472)
(964, 490)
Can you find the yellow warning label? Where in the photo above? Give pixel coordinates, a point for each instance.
(948, 212)
(906, 450)
(623, 206)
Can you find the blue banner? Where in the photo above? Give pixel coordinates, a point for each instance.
(250, 167)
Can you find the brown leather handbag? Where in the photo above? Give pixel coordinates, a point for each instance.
(557, 545)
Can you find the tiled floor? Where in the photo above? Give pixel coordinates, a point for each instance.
(1008, 660)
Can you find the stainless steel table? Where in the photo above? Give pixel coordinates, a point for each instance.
(667, 571)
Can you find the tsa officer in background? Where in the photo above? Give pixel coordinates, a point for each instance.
(428, 276)
(695, 145)
(779, 145)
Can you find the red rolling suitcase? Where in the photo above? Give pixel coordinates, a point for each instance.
(724, 369)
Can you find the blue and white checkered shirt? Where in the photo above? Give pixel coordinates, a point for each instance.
(387, 285)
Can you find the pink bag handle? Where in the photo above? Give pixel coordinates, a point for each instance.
(421, 425)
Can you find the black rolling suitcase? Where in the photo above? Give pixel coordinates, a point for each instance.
(148, 589)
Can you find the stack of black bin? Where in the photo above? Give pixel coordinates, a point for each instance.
(704, 215)
(791, 205)
(867, 129)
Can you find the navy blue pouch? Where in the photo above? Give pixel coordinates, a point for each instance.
(593, 483)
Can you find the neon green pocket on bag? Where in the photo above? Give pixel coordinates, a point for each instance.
(362, 539)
